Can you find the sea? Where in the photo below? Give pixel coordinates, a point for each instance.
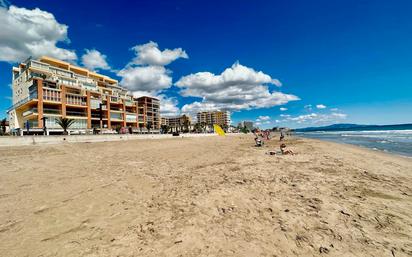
(390, 141)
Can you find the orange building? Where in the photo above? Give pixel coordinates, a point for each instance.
(51, 88)
(149, 112)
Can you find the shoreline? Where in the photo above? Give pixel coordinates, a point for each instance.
(372, 150)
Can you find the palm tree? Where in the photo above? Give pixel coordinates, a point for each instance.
(165, 129)
(3, 126)
(65, 123)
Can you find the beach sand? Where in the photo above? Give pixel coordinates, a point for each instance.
(215, 196)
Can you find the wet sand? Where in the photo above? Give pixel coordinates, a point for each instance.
(214, 196)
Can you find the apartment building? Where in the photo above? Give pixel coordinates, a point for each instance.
(221, 118)
(177, 123)
(46, 89)
(148, 112)
(246, 124)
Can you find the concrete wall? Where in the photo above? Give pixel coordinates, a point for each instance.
(33, 140)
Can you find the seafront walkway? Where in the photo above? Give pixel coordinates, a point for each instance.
(43, 140)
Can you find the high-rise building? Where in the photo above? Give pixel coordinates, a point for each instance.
(46, 89)
(209, 118)
(149, 112)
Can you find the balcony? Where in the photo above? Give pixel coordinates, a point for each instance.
(29, 112)
(114, 99)
(97, 115)
(52, 95)
(116, 116)
(51, 111)
(74, 99)
(76, 114)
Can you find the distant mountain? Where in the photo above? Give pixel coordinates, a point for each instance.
(347, 127)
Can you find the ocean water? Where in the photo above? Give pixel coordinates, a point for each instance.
(391, 141)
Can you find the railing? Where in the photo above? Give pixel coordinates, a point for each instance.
(19, 103)
(51, 111)
(97, 115)
(116, 116)
(114, 99)
(130, 117)
(29, 112)
(50, 94)
(76, 99)
(75, 113)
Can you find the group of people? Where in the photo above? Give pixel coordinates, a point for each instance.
(260, 136)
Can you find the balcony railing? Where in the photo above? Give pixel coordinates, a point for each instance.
(76, 100)
(76, 113)
(50, 94)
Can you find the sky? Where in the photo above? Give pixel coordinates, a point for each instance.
(277, 63)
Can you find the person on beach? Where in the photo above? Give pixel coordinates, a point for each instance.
(282, 135)
(283, 151)
(286, 151)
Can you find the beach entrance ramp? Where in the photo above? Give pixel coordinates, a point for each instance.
(219, 130)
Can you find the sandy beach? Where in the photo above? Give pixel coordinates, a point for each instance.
(214, 196)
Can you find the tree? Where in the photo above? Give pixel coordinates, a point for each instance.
(3, 126)
(244, 130)
(198, 128)
(165, 129)
(149, 126)
(225, 127)
(65, 123)
(141, 126)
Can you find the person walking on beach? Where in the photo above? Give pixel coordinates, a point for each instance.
(282, 135)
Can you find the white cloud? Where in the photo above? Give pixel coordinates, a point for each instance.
(95, 60)
(284, 115)
(334, 109)
(148, 79)
(150, 54)
(146, 73)
(320, 106)
(316, 118)
(283, 109)
(237, 88)
(25, 33)
(168, 106)
(308, 107)
(263, 118)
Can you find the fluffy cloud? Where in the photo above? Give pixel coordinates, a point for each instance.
(25, 33)
(237, 88)
(283, 109)
(316, 118)
(146, 79)
(95, 60)
(320, 106)
(168, 106)
(150, 54)
(263, 118)
(146, 73)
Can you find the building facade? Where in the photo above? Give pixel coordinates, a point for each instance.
(47, 89)
(148, 112)
(221, 118)
(246, 124)
(176, 124)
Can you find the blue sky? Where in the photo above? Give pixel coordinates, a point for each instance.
(337, 61)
